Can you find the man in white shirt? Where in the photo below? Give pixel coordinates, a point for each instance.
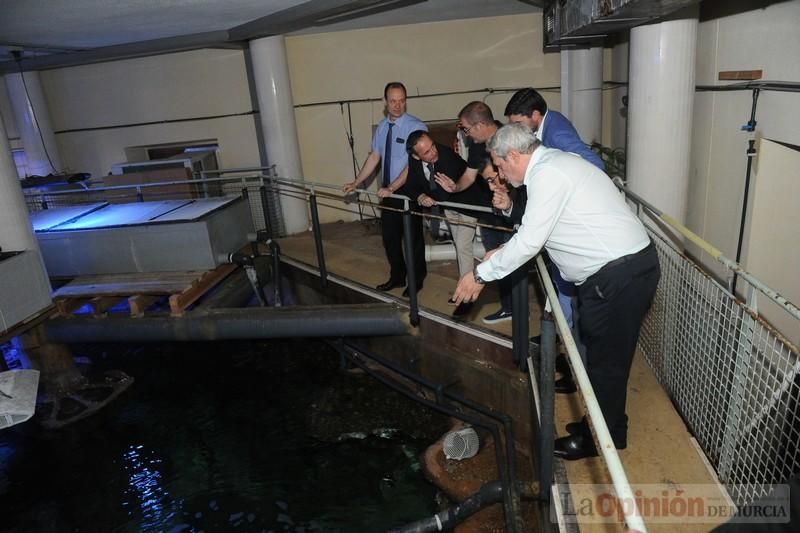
(576, 213)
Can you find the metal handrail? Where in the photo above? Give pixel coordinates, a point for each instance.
(732, 265)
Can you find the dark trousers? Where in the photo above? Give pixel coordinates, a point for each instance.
(612, 304)
(392, 232)
(492, 239)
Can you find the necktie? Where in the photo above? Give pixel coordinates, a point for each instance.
(432, 174)
(387, 156)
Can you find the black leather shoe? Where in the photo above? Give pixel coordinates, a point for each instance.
(574, 447)
(565, 385)
(405, 291)
(577, 428)
(389, 285)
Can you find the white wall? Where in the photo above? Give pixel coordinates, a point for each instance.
(428, 58)
(766, 39)
(185, 85)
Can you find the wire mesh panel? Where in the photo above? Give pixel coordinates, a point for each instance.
(733, 378)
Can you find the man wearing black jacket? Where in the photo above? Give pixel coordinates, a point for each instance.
(428, 160)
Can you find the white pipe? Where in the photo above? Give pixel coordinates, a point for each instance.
(660, 102)
(33, 123)
(274, 92)
(447, 252)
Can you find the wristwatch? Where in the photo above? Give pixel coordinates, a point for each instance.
(479, 280)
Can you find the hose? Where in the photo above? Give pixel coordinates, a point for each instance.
(449, 518)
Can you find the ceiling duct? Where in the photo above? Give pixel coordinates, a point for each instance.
(585, 22)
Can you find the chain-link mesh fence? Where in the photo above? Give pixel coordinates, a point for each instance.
(733, 377)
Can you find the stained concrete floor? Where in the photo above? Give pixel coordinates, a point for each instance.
(660, 452)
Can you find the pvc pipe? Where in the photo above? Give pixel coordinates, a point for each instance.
(359, 320)
(447, 252)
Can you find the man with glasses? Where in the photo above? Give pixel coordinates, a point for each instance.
(477, 123)
(389, 146)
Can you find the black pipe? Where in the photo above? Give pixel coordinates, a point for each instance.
(547, 400)
(235, 291)
(506, 469)
(488, 494)
(265, 208)
(519, 317)
(751, 153)
(411, 274)
(276, 271)
(317, 231)
(362, 320)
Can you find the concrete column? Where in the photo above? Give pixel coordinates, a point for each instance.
(274, 91)
(33, 122)
(582, 91)
(660, 104)
(16, 232)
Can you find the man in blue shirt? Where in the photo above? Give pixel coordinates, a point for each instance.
(389, 148)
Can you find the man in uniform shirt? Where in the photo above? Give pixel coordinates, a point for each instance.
(597, 243)
(389, 146)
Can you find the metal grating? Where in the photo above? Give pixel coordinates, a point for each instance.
(733, 378)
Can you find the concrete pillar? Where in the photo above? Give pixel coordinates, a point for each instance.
(33, 122)
(16, 232)
(660, 104)
(582, 91)
(274, 91)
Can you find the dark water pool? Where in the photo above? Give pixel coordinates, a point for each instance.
(221, 437)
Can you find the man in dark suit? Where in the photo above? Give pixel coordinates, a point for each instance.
(427, 160)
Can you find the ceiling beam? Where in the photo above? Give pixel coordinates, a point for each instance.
(313, 13)
(168, 45)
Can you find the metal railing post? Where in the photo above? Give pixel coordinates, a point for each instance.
(275, 249)
(547, 399)
(139, 195)
(317, 231)
(519, 316)
(411, 275)
(262, 191)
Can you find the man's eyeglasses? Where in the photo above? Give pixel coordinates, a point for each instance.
(466, 131)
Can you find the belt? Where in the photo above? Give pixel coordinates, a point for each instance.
(629, 257)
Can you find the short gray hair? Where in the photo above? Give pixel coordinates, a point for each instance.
(518, 137)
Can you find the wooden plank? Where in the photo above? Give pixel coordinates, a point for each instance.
(179, 302)
(66, 306)
(748, 75)
(140, 302)
(124, 285)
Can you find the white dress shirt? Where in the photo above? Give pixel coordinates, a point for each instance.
(576, 213)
